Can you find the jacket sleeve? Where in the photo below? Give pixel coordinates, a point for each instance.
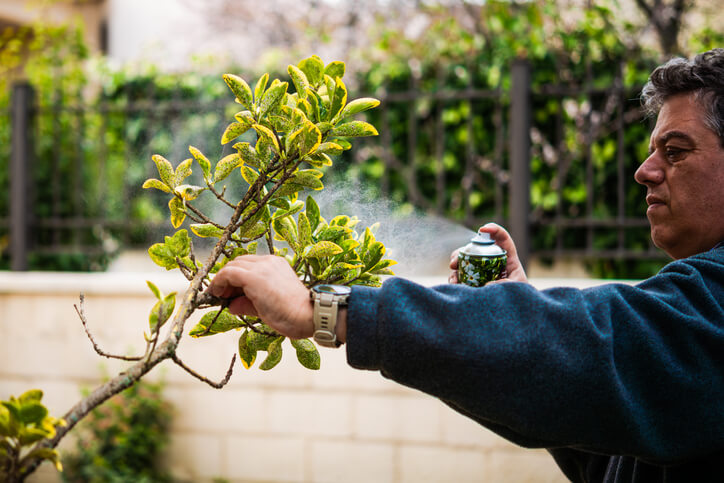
(615, 369)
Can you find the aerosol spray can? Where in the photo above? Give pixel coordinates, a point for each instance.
(481, 261)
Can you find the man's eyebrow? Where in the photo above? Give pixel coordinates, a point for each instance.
(675, 135)
(669, 135)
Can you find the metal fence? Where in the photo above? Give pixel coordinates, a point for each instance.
(523, 152)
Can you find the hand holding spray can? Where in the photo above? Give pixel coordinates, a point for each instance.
(481, 261)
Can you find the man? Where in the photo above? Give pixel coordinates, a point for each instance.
(620, 383)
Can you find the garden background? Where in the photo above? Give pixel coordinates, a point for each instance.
(442, 165)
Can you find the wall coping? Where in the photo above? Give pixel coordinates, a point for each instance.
(134, 283)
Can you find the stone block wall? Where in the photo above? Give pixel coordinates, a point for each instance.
(285, 425)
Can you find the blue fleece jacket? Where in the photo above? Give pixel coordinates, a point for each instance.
(620, 383)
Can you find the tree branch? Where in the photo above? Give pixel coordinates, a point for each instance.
(217, 385)
(99, 351)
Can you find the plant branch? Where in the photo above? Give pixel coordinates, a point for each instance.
(99, 351)
(217, 385)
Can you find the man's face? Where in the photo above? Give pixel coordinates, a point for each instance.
(684, 177)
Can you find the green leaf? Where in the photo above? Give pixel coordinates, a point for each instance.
(315, 103)
(155, 183)
(261, 341)
(234, 130)
(286, 228)
(154, 289)
(161, 312)
(245, 117)
(307, 353)
(178, 214)
(162, 256)
(225, 322)
(260, 87)
(32, 412)
(381, 267)
(312, 212)
(252, 231)
(322, 249)
(357, 106)
(272, 98)
(313, 68)
(43, 454)
(275, 355)
(241, 90)
(335, 69)
(247, 354)
(354, 129)
(340, 98)
(374, 254)
(301, 83)
(30, 435)
(165, 170)
(206, 230)
(33, 395)
(202, 160)
(183, 171)
(333, 232)
(179, 243)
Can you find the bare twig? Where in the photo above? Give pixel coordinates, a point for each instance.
(217, 385)
(99, 351)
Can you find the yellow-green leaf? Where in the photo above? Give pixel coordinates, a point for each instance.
(241, 90)
(161, 312)
(234, 130)
(358, 105)
(340, 98)
(165, 170)
(162, 256)
(183, 171)
(305, 230)
(247, 153)
(226, 166)
(354, 129)
(154, 289)
(206, 230)
(275, 355)
(307, 353)
(260, 86)
(286, 228)
(178, 214)
(307, 179)
(322, 249)
(268, 134)
(301, 84)
(202, 160)
(249, 175)
(272, 98)
(335, 69)
(189, 192)
(313, 69)
(225, 322)
(247, 354)
(330, 148)
(155, 183)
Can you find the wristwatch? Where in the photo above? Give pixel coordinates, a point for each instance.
(327, 299)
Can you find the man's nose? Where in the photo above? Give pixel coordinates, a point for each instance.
(650, 172)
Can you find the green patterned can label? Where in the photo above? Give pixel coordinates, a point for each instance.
(481, 261)
(477, 270)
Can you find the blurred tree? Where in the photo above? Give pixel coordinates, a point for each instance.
(667, 18)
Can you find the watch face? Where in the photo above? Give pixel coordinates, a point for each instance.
(333, 289)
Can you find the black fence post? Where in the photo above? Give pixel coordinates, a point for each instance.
(21, 121)
(520, 123)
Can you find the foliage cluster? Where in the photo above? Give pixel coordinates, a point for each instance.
(279, 132)
(123, 440)
(23, 422)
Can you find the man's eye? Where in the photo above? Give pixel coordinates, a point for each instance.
(675, 154)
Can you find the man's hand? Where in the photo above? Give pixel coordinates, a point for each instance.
(266, 287)
(513, 269)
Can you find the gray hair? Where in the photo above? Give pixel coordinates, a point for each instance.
(703, 76)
